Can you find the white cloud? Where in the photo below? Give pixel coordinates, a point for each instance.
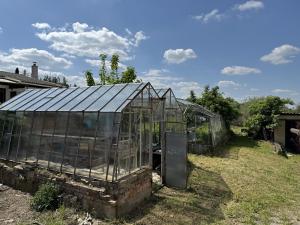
(213, 15)
(161, 78)
(228, 84)
(281, 55)
(179, 55)
(41, 26)
(78, 80)
(79, 27)
(138, 37)
(24, 58)
(1, 30)
(83, 40)
(239, 70)
(250, 5)
(281, 91)
(254, 89)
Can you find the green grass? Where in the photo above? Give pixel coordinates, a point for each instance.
(244, 183)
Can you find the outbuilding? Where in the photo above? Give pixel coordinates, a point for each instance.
(287, 133)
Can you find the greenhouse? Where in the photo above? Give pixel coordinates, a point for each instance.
(101, 132)
(205, 129)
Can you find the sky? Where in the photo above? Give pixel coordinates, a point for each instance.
(247, 48)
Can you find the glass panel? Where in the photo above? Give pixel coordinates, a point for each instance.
(36, 100)
(16, 134)
(119, 99)
(92, 98)
(101, 153)
(46, 99)
(58, 142)
(109, 95)
(46, 142)
(32, 151)
(6, 135)
(57, 99)
(66, 99)
(25, 136)
(23, 100)
(17, 99)
(86, 145)
(79, 98)
(72, 142)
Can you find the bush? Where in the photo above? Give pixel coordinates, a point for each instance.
(46, 198)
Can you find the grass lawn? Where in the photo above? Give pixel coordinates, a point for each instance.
(245, 184)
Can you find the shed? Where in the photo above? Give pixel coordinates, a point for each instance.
(287, 132)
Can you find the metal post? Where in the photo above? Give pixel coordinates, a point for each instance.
(52, 138)
(79, 141)
(65, 140)
(9, 143)
(29, 136)
(130, 140)
(19, 138)
(116, 160)
(110, 148)
(41, 135)
(141, 140)
(94, 145)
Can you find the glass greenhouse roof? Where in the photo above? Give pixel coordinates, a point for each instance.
(198, 108)
(103, 98)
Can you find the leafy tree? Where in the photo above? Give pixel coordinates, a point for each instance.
(214, 100)
(114, 65)
(56, 80)
(129, 75)
(89, 78)
(102, 71)
(65, 82)
(263, 114)
(192, 97)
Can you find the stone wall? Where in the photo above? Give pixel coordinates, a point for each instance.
(101, 199)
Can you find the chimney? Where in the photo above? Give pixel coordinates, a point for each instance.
(34, 71)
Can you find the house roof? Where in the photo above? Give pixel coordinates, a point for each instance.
(6, 77)
(102, 98)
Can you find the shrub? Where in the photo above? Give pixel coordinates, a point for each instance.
(46, 198)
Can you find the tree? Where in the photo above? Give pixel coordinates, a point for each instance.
(129, 75)
(263, 114)
(213, 100)
(102, 72)
(192, 97)
(17, 71)
(114, 65)
(65, 82)
(89, 78)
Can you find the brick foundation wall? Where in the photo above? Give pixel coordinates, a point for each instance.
(101, 199)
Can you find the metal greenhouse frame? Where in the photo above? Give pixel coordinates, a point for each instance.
(101, 132)
(205, 129)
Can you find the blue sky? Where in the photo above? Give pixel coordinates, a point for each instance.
(248, 48)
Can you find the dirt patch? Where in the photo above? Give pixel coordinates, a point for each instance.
(12, 213)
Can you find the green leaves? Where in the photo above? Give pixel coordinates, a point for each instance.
(263, 114)
(214, 100)
(89, 78)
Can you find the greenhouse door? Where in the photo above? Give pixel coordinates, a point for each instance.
(176, 159)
